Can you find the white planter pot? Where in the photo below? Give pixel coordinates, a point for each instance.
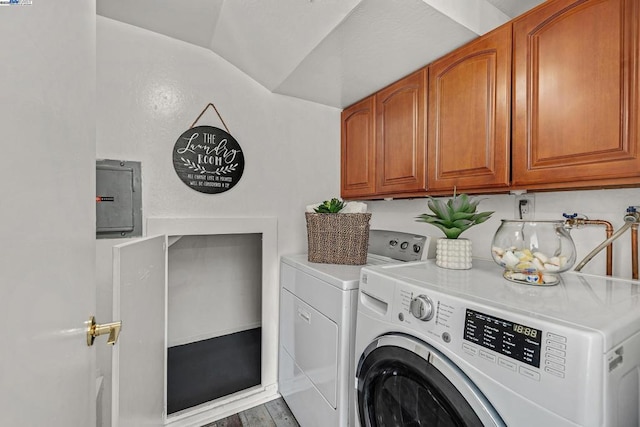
(454, 254)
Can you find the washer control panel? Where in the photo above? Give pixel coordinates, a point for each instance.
(421, 307)
(511, 344)
(520, 342)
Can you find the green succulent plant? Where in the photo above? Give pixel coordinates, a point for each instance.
(330, 206)
(455, 215)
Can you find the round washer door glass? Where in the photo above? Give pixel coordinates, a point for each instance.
(399, 388)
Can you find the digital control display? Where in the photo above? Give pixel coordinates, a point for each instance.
(513, 340)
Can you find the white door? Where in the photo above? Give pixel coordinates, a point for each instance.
(139, 300)
(47, 213)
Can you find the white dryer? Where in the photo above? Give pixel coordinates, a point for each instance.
(317, 324)
(469, 348)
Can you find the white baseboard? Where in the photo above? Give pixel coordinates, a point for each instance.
(223, 407)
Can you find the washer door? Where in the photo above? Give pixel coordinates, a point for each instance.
(405, 382)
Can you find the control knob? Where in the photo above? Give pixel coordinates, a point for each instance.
(421, 307)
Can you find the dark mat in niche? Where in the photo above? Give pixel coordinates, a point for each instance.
(207, 370)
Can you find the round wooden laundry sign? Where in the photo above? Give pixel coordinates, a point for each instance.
(208, 159)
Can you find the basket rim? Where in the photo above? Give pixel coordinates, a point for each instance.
(337, 213)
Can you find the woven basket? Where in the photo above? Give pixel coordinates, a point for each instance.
(337, 238)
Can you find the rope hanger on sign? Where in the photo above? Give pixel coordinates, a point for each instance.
(219, 116)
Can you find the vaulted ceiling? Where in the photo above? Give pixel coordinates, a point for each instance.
(333, 52)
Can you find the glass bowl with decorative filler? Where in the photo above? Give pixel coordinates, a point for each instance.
(533, 252)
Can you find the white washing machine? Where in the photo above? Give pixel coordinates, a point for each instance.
(317, 324)
(467, 347)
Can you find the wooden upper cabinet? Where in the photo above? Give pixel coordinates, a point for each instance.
(357, 175)
(469, 115)
(576, 77)
(400, 135)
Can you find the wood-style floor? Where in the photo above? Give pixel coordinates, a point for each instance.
(275, 413)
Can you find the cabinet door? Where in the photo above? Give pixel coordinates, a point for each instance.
(469, 115)
(400, 137)
(357, 175)
(576, 94)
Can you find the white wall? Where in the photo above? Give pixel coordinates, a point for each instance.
(215, 286)
(151, 88)
(609, 205)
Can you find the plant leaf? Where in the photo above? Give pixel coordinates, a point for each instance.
(483, 216)
(455, 215)
(462, 215)
(438, 208)
(452, 233)
(330, 206)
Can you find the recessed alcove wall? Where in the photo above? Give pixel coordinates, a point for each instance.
(214, 286)
(222, 279)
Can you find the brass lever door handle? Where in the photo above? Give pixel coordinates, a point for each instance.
(94, 330)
